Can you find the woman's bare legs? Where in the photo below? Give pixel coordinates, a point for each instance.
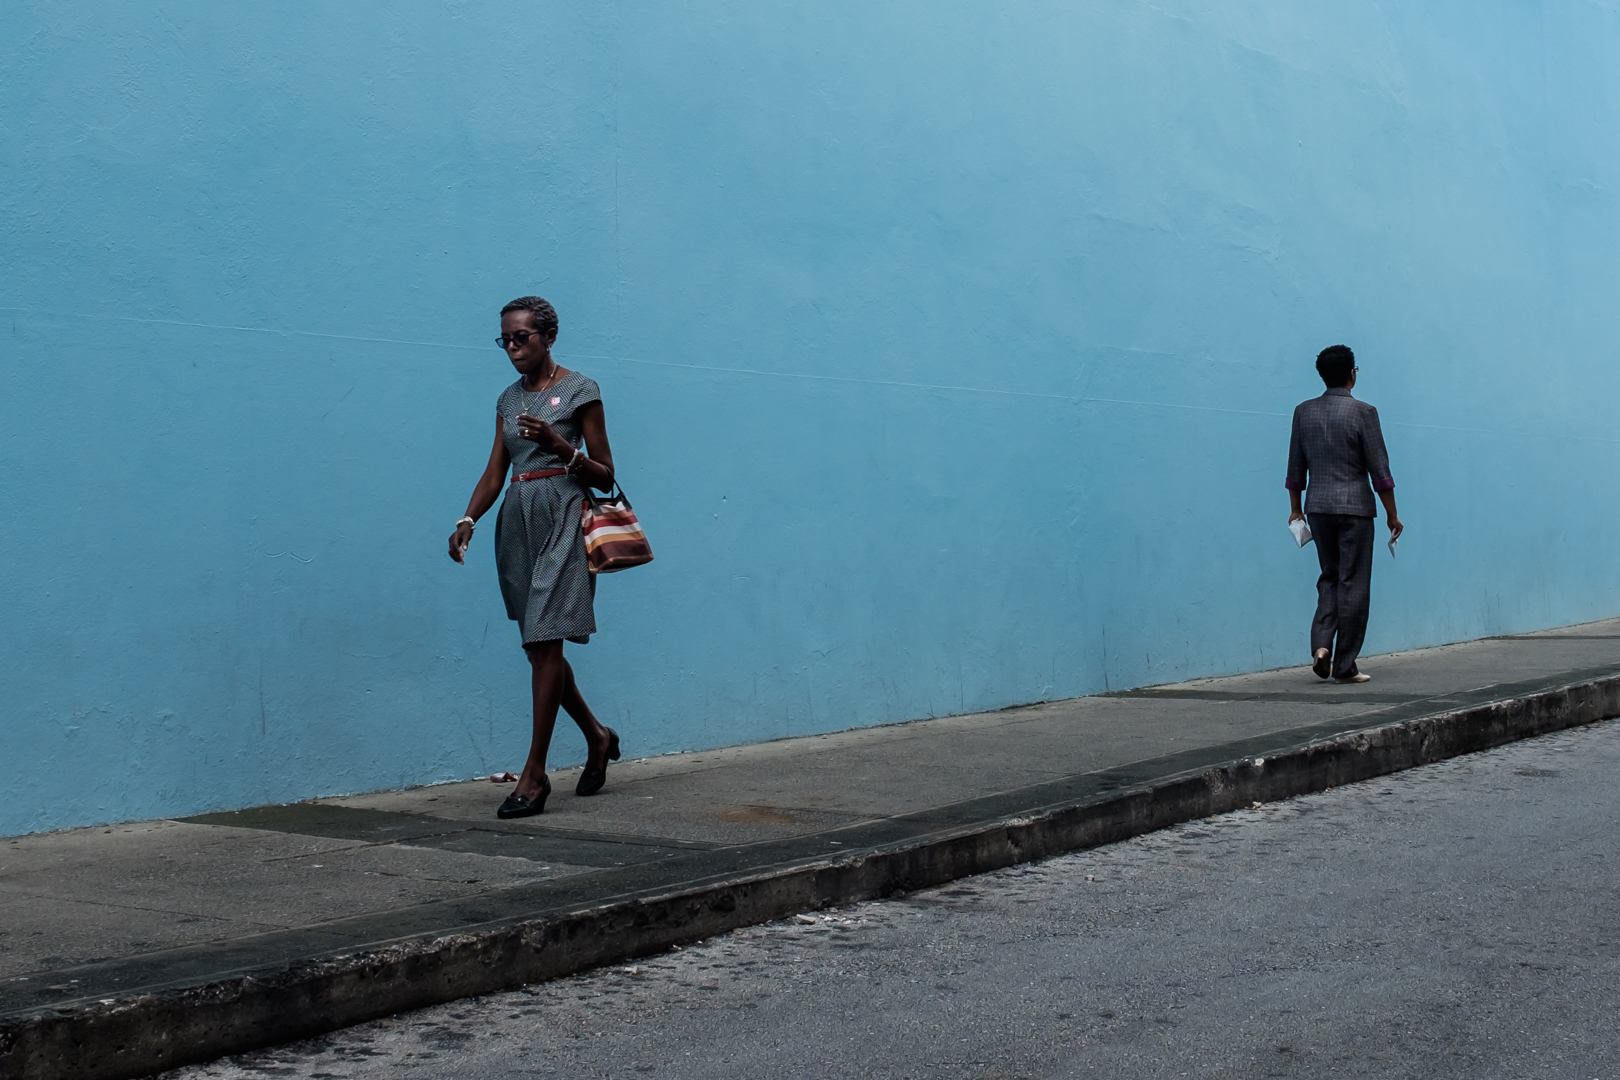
(596, 736)
(549, 675)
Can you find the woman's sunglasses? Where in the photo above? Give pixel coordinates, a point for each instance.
(520, 339)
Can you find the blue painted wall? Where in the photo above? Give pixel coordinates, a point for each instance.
(948, 353)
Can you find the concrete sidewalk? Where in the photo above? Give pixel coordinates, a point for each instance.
(133, 948)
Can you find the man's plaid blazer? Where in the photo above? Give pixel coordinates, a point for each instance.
(1338, 442)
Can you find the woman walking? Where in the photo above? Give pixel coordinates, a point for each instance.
(550, 429)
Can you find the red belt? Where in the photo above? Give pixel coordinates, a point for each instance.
(541, 475)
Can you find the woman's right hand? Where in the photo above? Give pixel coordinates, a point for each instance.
(459, 541)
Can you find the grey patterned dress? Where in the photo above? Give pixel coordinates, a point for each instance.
(539, 547)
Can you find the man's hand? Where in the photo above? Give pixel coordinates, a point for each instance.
(1388, 499)
(1295, 516)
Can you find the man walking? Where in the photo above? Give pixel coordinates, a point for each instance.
(1338, 444)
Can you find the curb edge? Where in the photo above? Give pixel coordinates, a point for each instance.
(145, 1034)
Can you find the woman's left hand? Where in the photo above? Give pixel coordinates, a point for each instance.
(539, 431)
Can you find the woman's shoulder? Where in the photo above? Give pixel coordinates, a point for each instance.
(584, 388)
(515, 388)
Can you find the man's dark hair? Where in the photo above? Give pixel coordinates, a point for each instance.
(1336, 364)
(544, 315)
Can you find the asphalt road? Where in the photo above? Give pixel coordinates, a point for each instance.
(1460, 920)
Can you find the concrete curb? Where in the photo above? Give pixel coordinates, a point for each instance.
(140, 1034)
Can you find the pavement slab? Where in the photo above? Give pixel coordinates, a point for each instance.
(239, 929)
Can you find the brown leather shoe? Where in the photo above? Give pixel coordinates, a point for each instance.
(1358, 677)
(1322, 663)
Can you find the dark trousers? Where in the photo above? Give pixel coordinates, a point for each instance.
(1344, 547)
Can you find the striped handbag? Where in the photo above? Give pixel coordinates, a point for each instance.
(613, 537)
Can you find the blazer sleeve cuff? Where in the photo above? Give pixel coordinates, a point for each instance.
(1386, 484)
(1293, 484)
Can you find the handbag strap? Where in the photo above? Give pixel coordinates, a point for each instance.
(596, 500)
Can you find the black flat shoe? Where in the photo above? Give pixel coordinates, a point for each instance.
(517, 806)
(591, 780)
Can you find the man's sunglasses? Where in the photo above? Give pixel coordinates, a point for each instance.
(520, 339)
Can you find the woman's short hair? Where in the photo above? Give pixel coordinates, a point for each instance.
(545, 316)
(1335, 364)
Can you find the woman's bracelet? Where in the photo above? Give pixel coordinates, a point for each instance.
(573, 463)
(467, 521)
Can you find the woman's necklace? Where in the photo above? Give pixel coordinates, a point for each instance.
(533, 409)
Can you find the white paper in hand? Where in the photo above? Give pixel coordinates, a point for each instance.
(1301, 531)
(1392, 546)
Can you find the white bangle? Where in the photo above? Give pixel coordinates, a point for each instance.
(573, 463)
(467, 521)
